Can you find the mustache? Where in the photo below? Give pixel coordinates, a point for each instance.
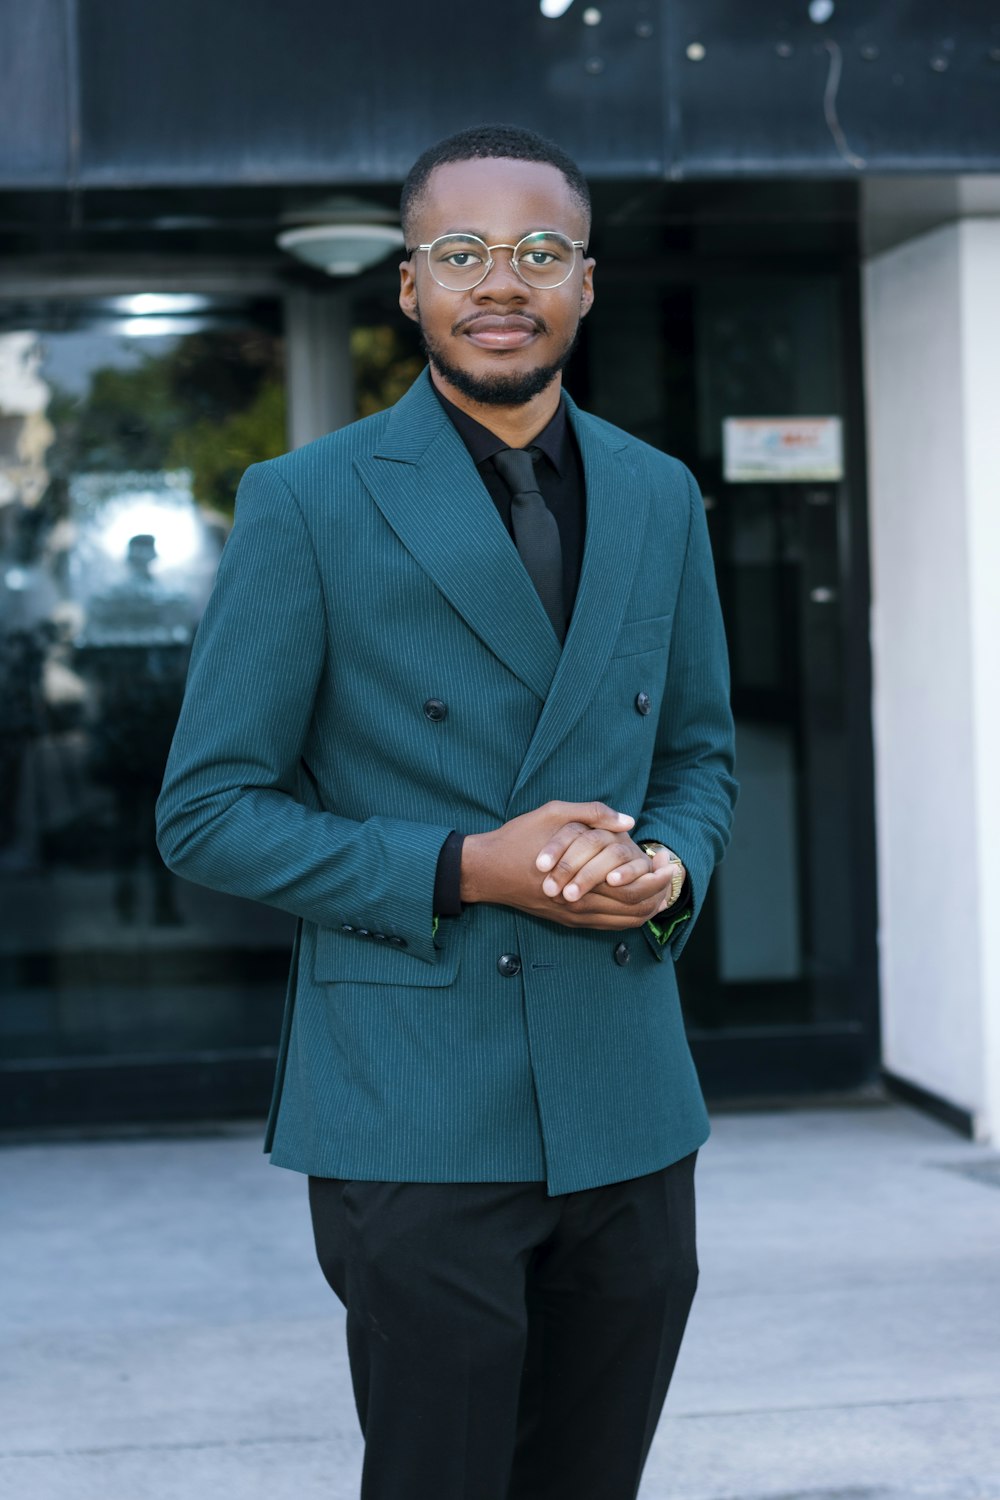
(464, 324)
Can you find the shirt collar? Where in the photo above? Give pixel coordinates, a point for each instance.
(553, 440)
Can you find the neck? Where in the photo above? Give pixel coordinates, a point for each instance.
(516, 425)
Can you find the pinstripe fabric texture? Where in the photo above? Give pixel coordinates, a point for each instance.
(366, 574)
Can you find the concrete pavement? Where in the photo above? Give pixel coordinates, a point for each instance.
(166, 1334)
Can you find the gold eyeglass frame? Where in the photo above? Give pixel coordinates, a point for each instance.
(490, 262)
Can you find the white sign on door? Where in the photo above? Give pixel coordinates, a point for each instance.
(786, 449)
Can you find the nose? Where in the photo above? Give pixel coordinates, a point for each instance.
(501, 280)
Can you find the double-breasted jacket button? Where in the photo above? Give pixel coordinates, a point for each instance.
(643, 702)
(436, 710)
(509, 964)
(397, 942)
(622, 954)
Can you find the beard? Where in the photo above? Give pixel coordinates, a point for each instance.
(499, 388)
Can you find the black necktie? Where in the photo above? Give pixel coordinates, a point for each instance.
(536, 530)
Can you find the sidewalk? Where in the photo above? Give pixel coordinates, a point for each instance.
(166, 1334)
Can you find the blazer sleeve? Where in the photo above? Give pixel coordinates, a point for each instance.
(692, 792)
(229, 814)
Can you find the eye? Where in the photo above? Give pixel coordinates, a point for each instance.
(537, 258)
(458, 252)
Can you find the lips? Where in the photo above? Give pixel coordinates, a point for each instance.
(494, 331)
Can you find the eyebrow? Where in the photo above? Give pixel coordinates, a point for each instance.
(481, 235)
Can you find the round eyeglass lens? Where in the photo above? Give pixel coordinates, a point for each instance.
(545, 259)
(458, 261)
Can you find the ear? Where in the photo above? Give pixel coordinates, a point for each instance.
(408, 289)
(587, 287)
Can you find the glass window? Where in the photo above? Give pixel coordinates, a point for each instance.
(125, 424)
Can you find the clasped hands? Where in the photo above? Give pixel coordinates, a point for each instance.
(570, 862)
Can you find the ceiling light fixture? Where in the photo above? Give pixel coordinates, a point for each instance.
(820, 11)
(341, 249)
(163, 304)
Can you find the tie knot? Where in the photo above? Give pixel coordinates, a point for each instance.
(516, 467)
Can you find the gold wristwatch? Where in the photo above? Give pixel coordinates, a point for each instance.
(653, 846)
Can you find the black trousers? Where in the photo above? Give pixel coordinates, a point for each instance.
(505, 1345)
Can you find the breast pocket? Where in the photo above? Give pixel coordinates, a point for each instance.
(637, 636)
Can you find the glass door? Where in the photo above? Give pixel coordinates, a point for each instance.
(778, 980)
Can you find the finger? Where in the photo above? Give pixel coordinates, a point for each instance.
(640, 896)
(599, 921)
(608, 861)
(557, 845)
(651, 886)
(594, 910)
(590, 815)
(556, 850)
(633, 870)
(586, 843)
(675, 869)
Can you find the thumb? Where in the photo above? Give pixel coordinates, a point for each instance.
(599, 815)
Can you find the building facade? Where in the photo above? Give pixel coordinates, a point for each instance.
(797, 229)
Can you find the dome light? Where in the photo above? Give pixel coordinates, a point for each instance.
(341, 249)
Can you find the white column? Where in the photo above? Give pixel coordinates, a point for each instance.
(318, 355)
(932, 346)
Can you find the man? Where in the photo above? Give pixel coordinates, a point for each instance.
(460, 702)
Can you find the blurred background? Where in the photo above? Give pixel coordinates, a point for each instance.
(797, 230)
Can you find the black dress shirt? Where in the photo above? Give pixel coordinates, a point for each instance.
(561, 484)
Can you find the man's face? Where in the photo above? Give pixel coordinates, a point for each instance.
(503, 342)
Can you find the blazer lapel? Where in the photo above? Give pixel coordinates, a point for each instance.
(425, 484)
(617, 504)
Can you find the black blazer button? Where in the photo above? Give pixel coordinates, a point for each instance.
(622, 954)
(643, 703)
(435, 710)
(509, 964)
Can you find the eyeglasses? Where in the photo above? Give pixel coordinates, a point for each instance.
(458, 262)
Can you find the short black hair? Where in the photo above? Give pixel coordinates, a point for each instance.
(504, 142)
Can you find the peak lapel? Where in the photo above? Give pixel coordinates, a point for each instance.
(617, 503)
(425, 484)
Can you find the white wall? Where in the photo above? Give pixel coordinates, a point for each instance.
(980, 242)
(932, 348)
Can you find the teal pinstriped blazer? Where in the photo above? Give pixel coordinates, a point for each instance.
(365, 574)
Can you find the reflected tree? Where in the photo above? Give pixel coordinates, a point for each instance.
(385, 366)
(213, 402)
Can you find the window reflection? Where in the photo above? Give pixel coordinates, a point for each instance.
(137, 624)
(119, 460)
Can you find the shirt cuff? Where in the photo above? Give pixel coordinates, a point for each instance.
(448, 879)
